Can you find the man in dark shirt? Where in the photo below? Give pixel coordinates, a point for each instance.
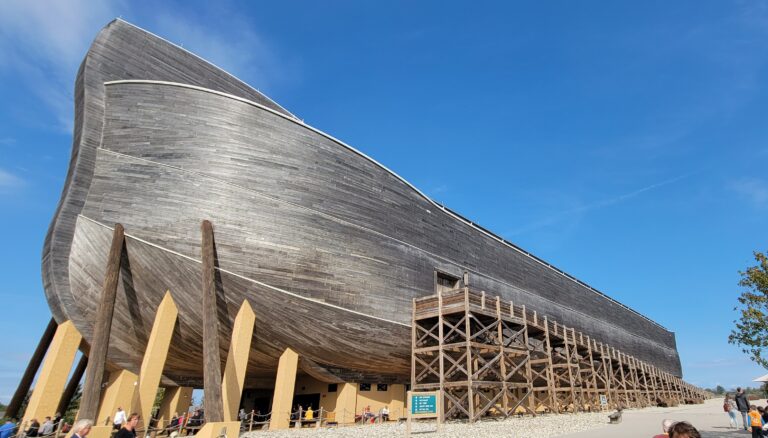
(129, 427)
(743, 404)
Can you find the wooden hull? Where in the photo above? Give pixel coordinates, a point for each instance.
(328, 246)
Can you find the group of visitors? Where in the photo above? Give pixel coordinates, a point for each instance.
(48, 427)
(35, 429)
(303, 414)
(753, 418)
(369, 416)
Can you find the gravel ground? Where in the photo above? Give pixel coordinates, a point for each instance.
(518, 427)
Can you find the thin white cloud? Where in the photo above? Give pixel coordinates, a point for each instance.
(9, 180)
(582, 209)
(754, 190)
(43, 43)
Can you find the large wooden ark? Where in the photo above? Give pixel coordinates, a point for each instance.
(328, 246)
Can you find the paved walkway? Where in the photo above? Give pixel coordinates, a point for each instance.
(708, 418)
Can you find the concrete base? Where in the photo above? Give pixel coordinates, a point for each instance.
(213, 430)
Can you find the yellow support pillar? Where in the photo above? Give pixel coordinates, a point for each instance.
(53, 375)
(397, 407)
(154, 358)
(118, 394)
(284, 386)
(346, 403)
(237, 361)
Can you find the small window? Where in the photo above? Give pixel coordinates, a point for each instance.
(381, 387)
(333, 387)
(445, 282)
(365, 387)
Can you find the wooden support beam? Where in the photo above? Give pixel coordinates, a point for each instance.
(212, 397)
(594, 397)
(74, 382)
(495, 360)
(468, 337)
(632, 377)
(58, 362)
(237, 361)
(441, 345)
(154, 358)
(503, 362)
(613, 400)
(550, 369)
(621, 379)
(647, 384)
(97, 356)
(414, 324)
(569, 353)
(12, 411)
(284, 386)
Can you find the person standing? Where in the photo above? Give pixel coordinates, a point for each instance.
(755, 422)
(117, 423)
(729, 406)
(743, 406)
(129, 427)
(47, 427)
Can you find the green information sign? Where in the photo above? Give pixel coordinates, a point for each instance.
(424, 404)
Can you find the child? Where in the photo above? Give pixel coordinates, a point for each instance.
(755, 421)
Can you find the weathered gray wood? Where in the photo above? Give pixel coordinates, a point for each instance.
(212, 401)
(12, 411)
(299, 216)
(102, 327)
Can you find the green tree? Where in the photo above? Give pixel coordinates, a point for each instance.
(751, 332)
(719, 390)
(70, 413)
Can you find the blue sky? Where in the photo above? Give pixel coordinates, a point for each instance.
(624, 142)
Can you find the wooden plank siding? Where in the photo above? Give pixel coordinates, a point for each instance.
(326, 244)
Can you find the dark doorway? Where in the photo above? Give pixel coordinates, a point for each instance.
(306, 400)
(257, 400)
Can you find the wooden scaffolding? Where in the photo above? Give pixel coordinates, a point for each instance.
(494, 358)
